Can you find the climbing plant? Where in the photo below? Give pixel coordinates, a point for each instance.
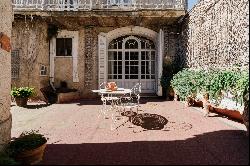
(52, 31)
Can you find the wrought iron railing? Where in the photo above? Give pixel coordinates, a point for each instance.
(82, 5)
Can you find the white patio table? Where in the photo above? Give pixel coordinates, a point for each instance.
(111, 97)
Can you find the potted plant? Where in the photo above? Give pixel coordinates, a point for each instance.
(22, 95)
(5, 159)
(169, 69)
(28, 148)
(216, 90)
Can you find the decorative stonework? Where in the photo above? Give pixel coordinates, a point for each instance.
(89, 58)
(216, 34)
(132, 30)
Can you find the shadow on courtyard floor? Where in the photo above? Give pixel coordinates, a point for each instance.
(33, 106)
(37, 106)
(97, 101)
(219, 147)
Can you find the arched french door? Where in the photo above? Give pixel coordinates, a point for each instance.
(132, 59)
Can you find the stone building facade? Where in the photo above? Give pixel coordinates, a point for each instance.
(5, 80)
(94, 37)
(213, 34)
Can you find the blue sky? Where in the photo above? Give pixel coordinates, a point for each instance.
(191, 3)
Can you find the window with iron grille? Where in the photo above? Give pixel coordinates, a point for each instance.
(15, 63)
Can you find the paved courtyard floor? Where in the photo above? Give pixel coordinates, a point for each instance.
(77, 135)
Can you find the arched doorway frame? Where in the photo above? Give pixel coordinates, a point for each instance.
(105, 38)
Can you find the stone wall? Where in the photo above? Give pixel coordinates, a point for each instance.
(5, 115)
(29, 37)
(215, 33)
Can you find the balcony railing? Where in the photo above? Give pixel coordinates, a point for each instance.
(83, 5)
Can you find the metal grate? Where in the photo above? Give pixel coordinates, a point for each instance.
(15, 64)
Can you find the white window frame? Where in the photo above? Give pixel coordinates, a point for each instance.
(45, 69)
(71, 48)
(141, 77)
(105, 38)
(75, 42)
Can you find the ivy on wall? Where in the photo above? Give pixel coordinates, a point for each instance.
(52, 31)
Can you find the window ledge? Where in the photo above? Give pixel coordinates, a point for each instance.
(63, 56)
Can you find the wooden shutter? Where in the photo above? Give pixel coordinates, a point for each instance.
(75, 41)
(160, 51)
(102, 53)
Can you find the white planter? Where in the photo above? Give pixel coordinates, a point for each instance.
(229, 103)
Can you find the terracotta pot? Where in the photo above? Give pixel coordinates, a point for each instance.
(111, 86)
(191, 102)
(234, 114)
(21, 101)
(31, 157)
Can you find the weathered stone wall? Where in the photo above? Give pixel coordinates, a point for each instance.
(30, 38)
(5, 115)
(215, 33)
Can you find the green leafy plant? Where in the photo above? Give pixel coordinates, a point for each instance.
(183, 83)
(214, 82)
(22, 92)
(169, 69)
(26, 141)
(242, 85)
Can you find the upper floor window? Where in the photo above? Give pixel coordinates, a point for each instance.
(15, 63)
(64, 47)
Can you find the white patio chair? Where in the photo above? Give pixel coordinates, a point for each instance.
(129, 101)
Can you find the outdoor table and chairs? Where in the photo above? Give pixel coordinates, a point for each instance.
(118, 100)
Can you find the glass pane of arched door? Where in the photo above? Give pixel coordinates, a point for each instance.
(131, 50)
(132, 59)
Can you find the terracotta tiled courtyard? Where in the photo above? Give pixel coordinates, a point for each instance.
(77, 135)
